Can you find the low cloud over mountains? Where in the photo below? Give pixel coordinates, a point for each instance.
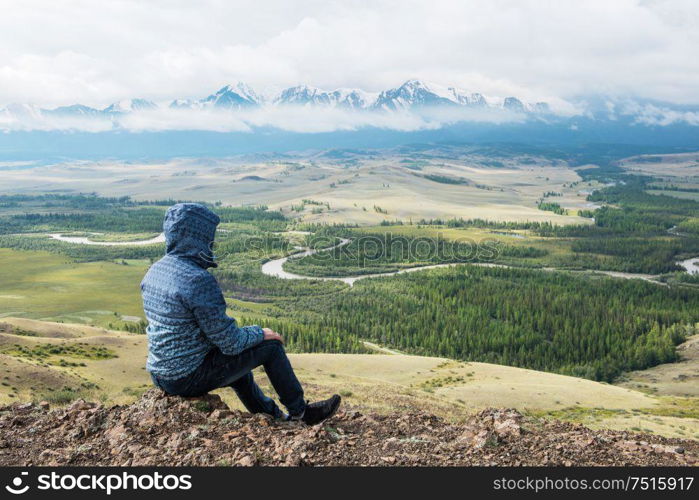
(414, 105)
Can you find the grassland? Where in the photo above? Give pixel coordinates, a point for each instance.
(676, 194)
(675, 175)
(557, 252)
(682, 166)
(543, 252)
(674, 379)
(380, 382)
(60, 361)
(47, 286)
(362, 188)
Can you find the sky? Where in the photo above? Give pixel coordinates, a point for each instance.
(97, 52)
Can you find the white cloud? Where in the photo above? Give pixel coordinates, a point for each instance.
(650, 114)
(54, 53)
(288, 118)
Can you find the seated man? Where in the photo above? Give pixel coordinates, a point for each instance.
(193, 346)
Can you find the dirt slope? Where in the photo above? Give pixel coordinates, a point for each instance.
(161, 430)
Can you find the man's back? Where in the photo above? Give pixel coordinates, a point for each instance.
(175, 342)
(183, 303)
(193, 346)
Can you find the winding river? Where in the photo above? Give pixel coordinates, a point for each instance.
(275, 268)
(82, 240)
(690, 265)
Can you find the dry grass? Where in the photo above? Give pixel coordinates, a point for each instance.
(509, 192)
(672, 379)
(377, 382)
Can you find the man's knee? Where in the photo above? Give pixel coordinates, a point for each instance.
(273, 342)
(273, 345)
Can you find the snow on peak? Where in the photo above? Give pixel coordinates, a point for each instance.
(410, 94)
(129, 105)
(304, 95)
(414, 93)
(237, 95)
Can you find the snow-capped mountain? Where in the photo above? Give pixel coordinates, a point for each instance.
(73, 110)
(184, 104)
(431, 111)
(354, 98)
(413, 94)
(474, 100)
(513, 104)
(128, 106)
(303, 95)
(235, 96)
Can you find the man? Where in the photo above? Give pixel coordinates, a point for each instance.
(193, 346)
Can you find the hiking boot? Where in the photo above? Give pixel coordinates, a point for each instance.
(322, 410)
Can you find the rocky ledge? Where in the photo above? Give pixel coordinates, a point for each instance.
(163, 430)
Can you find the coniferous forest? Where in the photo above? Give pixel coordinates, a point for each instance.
(579, 324)
(588, 327)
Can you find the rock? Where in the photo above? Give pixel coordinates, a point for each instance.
(115, 435)
(19, 421)
(175, 441)
(476, 438)
(80, 405)
(220, 414)
(507, 428)
(134, 448)
(506, 424)
(213, 401)
(24, 408)
(161, 430)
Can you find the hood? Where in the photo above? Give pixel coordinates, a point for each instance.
(190, 229)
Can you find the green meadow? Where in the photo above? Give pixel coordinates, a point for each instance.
(42, 285)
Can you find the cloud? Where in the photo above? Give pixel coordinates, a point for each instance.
(288, 118)
(654, 115)
(99, 52)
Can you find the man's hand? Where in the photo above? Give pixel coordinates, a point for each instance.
(272, 335)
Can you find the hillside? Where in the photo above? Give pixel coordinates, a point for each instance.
(161, 430)
(380, 383)
(674, 379)
(356, 187)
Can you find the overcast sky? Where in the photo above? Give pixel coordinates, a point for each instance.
(99, 51)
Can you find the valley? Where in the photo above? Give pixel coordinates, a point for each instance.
(440, 278)
(363, 187)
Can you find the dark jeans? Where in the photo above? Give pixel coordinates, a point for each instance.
(221, 370)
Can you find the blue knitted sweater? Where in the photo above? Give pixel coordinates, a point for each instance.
(184, 306)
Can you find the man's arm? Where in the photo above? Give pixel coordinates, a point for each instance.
(209, 308)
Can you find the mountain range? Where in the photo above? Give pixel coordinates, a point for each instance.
(238, 119)
(409, 95)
